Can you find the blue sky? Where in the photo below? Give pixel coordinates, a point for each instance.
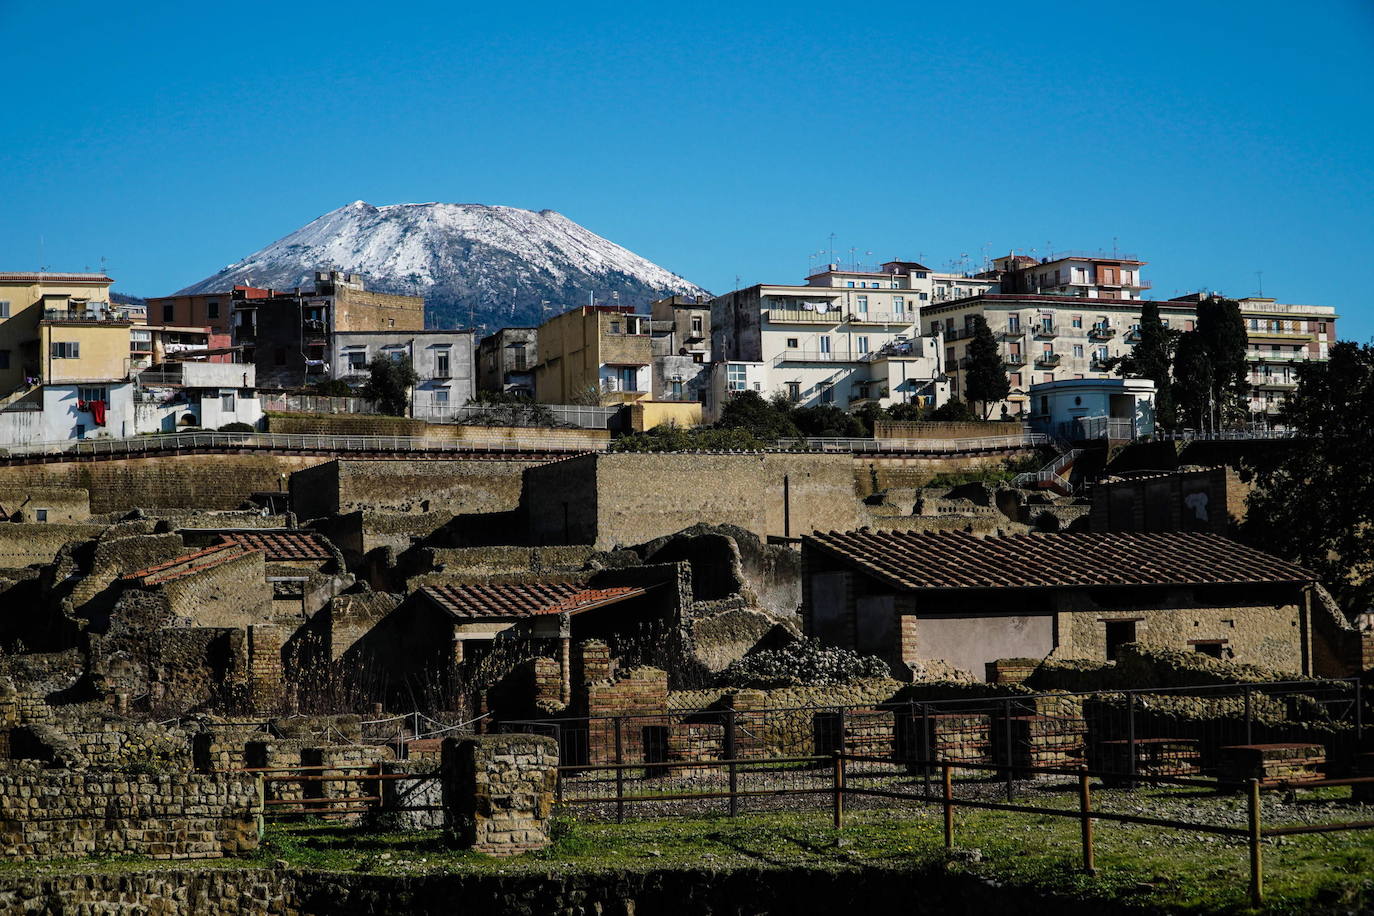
(1214, 139)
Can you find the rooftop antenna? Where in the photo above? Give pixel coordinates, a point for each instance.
(832, 248)
(1113, 246)
(853, 260)
(1259, 276)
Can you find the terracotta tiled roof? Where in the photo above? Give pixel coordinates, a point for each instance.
(522, 600)
(280, 546)
(957, 559)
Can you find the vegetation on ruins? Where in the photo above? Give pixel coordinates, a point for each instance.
(505, 408)
(985, 379)
(802, 663)
(1153, 358)
(1314, 504)
(389, 383)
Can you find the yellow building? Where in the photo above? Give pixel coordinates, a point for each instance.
(594, 354)
(78, 350)
(26, 299)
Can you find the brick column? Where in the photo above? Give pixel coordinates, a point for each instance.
(265, 644)
(498, 791)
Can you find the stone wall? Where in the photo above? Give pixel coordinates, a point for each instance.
(452, 485)
(24, 544)
(622, 499)
(902, 429)
(61, 504)
(498, 791)
(55, 814)
(344, 424)
(162, 482)
(233, 593)
(1203, 499)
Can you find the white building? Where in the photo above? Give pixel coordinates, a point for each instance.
(819, 343)
(444, 360)
(199, 395)
(1097, 408)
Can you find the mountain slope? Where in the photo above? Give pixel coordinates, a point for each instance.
(492, 266)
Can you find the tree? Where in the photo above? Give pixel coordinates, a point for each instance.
(953, 411)
(985, 380)
(1192, 386)
(766, 421)
(827, 421)
(389, 383)
(1223, 332)
(1152, 358)
(1313, 503)
(334, 388)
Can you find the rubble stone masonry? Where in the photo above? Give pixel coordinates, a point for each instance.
(498, 791)
(51, 814)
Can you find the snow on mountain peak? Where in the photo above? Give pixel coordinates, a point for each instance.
(473, 263)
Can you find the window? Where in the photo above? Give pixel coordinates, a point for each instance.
(675, 389)
(1077, 321)
(66, 349)
(395, 354)
(850, 284)
(81, 430)
(862, 343)
(696, 325)
(212, 310)
(441, 395)
(1013, 323)
(40, 515)
(4, 359)
(91, 394)
(825, 343)
(168, 313)
(5, 309)
(1015, 379)
(736, 377)
(794, 391)
(1078, 351)
(923, 296)
(934, 328)
(1215, 648)
(1188, 326)
(1047, 321)
(615, 327)
(920, 275)
(827, 394)
(898, 305)
(441, 364)
(357, 359)
(949, 356)
(1101, 353)
(226, 401)
(391, 322)
(1119, 632)
(863, 305)
(792, 343)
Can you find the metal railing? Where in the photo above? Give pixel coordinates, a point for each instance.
(1051, 474)
(816, 356)
(983, 443)
(541, 441)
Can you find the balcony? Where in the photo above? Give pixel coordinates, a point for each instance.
(866, 393)
(1101, 332)
(84, 315)
(804, 316)
(952, 334)
(1047, 360)
(1132, 336)
(1012, 333)
(1045, 331)
(817, 356)
(1014, 359)
(1098, 364)
(882, 317)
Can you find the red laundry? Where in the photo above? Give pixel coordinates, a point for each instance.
(98, 412)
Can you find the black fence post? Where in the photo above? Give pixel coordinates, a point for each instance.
(619, 774)
(1130, 733)
(1006, 735)
(1359, 716)
(1249, 716)
(731, 751)
(924, 744)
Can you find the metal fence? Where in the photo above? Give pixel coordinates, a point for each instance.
(310, 403)
(942, 446)
(538, 441)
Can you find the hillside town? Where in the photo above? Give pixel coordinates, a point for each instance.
(276, 553)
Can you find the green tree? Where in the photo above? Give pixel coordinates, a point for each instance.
(953, 411)
(827, 420)
(389, 383)
(1192, 385)
(1313, 503)
(1223, 331)
(765, 421)
(1152, 357)
(333, 388)
(985, 380)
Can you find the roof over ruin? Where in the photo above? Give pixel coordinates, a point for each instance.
(503, 601)
(283, 546)
(912, 561)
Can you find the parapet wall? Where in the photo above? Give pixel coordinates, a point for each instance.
(58, 814)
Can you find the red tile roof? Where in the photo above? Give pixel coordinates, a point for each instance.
(912, 561)
(280, 546)
(186, 564)
(522, 600)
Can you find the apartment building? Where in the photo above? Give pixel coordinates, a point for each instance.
(442, 359)
(288, 335)
(1089, 276)
(818, 343)
(505, 361)
(201, 310)
(681, 344)
(598, 353)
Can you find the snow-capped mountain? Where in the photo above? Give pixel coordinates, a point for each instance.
(474, 264)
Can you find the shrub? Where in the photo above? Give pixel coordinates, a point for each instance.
(237, 428)
(802, 663)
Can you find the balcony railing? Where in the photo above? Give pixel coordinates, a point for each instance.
(1099, 364)
(882, 317)
(865, 394)
(804, 316)
(817, 356)
(1101, 332)
(1012, 333)
(1015, 359)
(952, 334)
(1045, 330)
(1047, 359)
(1132, 336)
(83, 315)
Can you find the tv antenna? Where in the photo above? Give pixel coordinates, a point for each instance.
(1259, 277)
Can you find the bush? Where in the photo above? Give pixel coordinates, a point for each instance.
(237, 428)
(669, 438)
(802, 663)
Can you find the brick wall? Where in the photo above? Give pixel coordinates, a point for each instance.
(233, 593)
(60, 814)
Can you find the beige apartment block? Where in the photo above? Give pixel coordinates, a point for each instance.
(594, 354)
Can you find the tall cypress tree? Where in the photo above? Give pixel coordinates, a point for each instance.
(1223, 334)
(1192, 387)
(1152, 358)
(985, 380)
